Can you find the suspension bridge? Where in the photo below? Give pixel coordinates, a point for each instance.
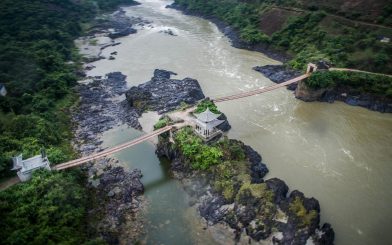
(95, 156)
(112, 150)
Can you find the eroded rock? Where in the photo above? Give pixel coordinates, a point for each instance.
(163, 94)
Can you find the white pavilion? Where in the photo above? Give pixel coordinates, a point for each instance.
(27, 167)
(206, 123)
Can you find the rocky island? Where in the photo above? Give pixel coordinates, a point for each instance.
(226, 178)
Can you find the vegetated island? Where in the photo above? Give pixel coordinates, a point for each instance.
(298, 33)
(225, 177)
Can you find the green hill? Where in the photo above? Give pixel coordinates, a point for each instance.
(347, 34)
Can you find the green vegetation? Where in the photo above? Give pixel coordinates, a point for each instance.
(257, 190)
(36, 47)
(38, 63)
(309, 35)
(49, 209)
(360, 82)
(203, 105)
(200, 155)
(229, 176)
(163, 122)
(305, 217)
(227, 162)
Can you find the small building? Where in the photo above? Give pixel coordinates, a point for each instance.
(385, 39)
(3, 91)
(27, 167)
(206, 124)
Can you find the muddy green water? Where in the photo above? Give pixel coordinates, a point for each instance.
(339, 154)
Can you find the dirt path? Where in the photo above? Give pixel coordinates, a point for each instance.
(8, 183)
(354, 70)
(338, 17)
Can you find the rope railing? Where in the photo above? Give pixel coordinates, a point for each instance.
(115, 149)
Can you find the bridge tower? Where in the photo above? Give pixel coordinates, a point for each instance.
(311, 68)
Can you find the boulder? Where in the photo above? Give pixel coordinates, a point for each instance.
(279, 188)
(163, 94)
(325, 236)
(122, 33)
(210, 209)
(257, 168)
(278, 74)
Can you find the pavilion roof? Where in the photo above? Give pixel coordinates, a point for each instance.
(207, 116)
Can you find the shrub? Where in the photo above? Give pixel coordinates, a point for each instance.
(260, 191)
(305, 217)
(162, 123)
(202, 106)
(200, 155)
(320, 80)
(232, 150)
(363, 82)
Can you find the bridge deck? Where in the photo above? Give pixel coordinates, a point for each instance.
(261, 90)
(115, 149)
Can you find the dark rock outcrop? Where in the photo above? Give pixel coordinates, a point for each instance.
(116, 197)
(257, 169)
(163, 94)
(279, 188)
(122, 32)
(225, 126)
(115, 194)
(345, 94)
(325, 236)
(98, 112)
(248, 212)
(119, 22)
(210, 209)
(278, 74)
(168, 32)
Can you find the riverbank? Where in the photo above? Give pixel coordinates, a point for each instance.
(116, 202)
(347, 88)
(117, 206)
(302, 143)
(278, 74)
(234, 36)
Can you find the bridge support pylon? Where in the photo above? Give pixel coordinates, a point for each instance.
(311, 68)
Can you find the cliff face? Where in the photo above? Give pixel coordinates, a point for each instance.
(307, 94)
(345, 94)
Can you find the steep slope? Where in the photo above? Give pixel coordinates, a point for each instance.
(310, 30)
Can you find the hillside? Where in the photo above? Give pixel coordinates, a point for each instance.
(348, 34)
(39, 67)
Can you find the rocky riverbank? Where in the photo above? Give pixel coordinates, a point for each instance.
(104, 32)
(346, 94)
(116, 201)
(234, 199)
(280, 74)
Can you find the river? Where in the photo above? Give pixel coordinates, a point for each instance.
(339, 154)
